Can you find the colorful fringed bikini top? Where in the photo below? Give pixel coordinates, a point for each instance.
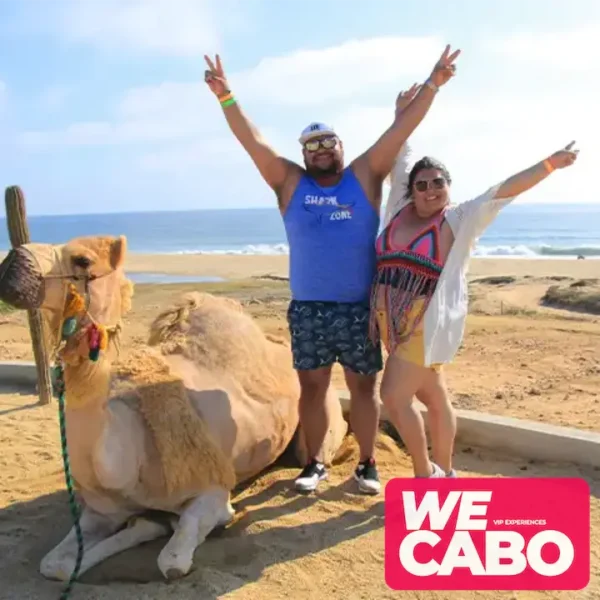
(404, 274)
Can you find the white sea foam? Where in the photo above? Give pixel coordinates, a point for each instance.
(251, 249)
(480, 251)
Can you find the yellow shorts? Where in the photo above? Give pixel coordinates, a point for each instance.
(413, 350)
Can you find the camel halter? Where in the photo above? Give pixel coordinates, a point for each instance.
(97, 334)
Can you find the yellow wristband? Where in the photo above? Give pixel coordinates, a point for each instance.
(548, 166)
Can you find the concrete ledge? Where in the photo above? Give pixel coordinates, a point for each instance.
(519, 437)
(18, 372)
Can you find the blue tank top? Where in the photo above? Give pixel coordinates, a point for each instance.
(331, 233)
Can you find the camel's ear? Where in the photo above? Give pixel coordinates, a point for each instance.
(118, 252)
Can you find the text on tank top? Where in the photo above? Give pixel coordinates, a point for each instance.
(331, 233)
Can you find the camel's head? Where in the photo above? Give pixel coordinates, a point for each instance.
(52, 278)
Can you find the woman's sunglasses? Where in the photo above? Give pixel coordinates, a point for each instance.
(437, 183)
(314, 145)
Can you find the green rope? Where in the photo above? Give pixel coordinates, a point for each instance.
(75, 510)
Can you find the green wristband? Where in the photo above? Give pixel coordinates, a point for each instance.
(228, 102)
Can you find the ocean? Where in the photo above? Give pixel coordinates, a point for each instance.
(519, 231)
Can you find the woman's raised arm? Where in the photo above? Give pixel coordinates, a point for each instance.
(525, 180)
(477, 214)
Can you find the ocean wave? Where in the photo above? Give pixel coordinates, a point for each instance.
(251, 249)
(537, 251)
(480, 251)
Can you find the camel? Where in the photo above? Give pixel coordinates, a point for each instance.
(208, 403)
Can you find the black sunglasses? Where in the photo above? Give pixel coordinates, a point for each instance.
(437, 183)
(327, 143)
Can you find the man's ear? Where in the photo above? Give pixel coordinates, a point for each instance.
(118, 252)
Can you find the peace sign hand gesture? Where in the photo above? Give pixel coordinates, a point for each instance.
(445, 68)
(215, 78)
(564, 158)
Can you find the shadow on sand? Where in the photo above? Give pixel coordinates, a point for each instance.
(17, 389)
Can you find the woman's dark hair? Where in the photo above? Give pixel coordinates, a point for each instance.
(427, 162)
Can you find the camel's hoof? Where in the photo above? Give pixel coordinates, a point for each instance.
(174, 574)
(56, 571)
(174, 566)
(226, 520)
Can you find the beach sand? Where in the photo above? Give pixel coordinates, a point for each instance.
(520, 358)
(231, 266)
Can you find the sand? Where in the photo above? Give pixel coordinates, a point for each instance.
(239, 267)
(519, 358)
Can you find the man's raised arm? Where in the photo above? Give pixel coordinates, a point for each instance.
(273, 168)
(382, 155)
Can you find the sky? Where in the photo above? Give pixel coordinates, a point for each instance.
(103, 107)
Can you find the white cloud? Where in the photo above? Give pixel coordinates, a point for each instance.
(188, 157)
(313, 77)
(482, 133)
(575, 49)
(181, 119)
(173, 110)
(454, 117)
(483, 140)
(173, 28)
(153, 100)
(177, 27)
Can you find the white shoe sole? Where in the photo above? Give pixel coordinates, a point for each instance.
(310, 487)
(365, 488)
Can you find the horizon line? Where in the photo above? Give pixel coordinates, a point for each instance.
(269, 208)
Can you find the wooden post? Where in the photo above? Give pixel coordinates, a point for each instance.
(18, 231)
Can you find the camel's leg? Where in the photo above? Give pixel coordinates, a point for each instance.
(197, 520)
(140, 531)
(95, 527)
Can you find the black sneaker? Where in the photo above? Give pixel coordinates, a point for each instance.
(367, 477)
(311, 475)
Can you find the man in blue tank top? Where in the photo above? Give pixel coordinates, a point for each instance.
(331, 217)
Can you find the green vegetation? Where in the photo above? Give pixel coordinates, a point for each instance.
(580, 296)
(5, 308)
(496, 280)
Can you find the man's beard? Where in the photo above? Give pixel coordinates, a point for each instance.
(333, 169)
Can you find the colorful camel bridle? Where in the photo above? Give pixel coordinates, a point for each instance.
(97, 334)
(75, 310)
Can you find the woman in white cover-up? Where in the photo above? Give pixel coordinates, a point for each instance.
(420, 297)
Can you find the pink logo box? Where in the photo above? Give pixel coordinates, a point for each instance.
(487, 534)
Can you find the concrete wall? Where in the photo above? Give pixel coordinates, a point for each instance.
(519, 437)
(527, 439)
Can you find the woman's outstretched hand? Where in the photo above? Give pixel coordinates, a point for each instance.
(405, 97)
(564, 158)
(525, 180)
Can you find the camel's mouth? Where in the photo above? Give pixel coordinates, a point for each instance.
(21, 280)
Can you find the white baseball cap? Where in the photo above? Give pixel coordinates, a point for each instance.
(315, 130)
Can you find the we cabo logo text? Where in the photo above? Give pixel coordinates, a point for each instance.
(487, 534)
